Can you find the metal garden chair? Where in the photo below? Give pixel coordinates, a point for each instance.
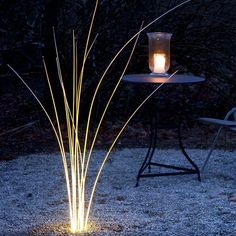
(228, 122)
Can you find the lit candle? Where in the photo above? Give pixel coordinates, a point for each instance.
(159, 63)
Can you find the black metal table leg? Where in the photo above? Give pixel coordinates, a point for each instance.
(197, 171)
(154, 141)
(151, 150)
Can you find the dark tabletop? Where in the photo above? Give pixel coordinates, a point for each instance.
(176, 79)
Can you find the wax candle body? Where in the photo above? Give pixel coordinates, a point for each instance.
(159, 63)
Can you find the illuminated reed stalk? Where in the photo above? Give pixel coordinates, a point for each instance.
(58, 137)
(63, 153)
(78, 159)
(70, 123)
(107, 105)
(98, 86)
(115, 140)
(115, 57)
(81, 209)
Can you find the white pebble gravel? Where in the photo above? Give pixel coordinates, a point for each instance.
(33, 198)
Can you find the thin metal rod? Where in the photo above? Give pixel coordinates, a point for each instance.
(185, 153)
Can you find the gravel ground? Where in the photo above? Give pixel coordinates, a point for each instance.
(33, 198)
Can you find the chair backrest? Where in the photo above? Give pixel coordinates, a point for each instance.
(231, 113)
(234, 114)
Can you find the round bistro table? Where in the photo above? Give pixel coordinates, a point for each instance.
(147, 162)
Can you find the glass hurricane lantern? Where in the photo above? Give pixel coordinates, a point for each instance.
(159, 53)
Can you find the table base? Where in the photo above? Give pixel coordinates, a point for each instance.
(147, 163)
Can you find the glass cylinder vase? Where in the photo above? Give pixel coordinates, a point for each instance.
(159, 53)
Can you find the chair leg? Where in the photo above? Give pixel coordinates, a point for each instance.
(211, 149)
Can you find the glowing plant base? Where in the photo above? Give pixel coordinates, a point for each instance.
(76, 168)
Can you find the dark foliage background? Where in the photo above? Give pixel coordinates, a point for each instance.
(203, 44)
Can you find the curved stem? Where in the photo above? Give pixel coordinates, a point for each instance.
(112, 61)
(60, 142)
(115, 140)
(84, 60)
(107, 105)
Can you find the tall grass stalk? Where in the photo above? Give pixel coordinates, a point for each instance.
(76, 167)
